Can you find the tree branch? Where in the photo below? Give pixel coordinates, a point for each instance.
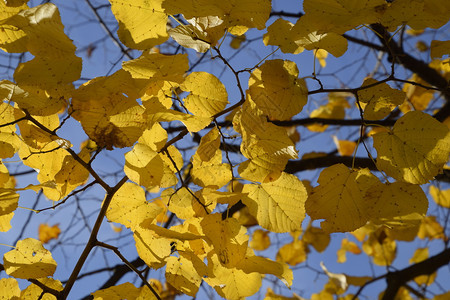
(397, 279)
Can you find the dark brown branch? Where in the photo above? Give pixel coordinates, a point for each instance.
(417, 66)
(397, 279)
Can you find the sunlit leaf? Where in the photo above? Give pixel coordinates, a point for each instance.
(129, 207)
(346, 246)
(260, 240)
(279, 205)
(382, 248)
(231, 283)
(9, 288)
(47, 233)
(316, 237)
(277, 90)
(278, 34)
(379, 100)
(248, 13)
(439, 48)
(122, 291)
(29, 259)
(339, 198)
(207, 96)
(415, 150)
(397, 204)
(181, 274)
(142, 23)
(441, 197)
(228, 238)
(33, 291)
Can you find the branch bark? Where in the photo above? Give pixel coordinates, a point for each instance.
(397, 279)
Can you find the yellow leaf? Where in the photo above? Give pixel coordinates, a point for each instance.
(48, 162)
(7, 10)
(339, 198)
(317, 238)
(415, 150)
(9, 141)
(397, 204)
(142, 24)
(321, 55)
(248, 13)
(431, 229)
(200, 34)
(420, 255)
(435, 14)
(9, 287)
(34, 292)
(381, 247)
(279, 205)
(270, 295)
(345, 148)
(379, 100)
(181, 274)
(35, 137)
(307, 34)
(208, 95)
(5, 221)
(158, 67)
(267, 146)
(107, 110)
(47, 233)
(417, 97)
(129, 207)
(293, 253)
(189, 36)
(122, 291)
(339, 280)
(277, 90)
(443, 296)
(208, 169)
(333, 109)
(179, 202)
(260, 240)
(228, 238)
(71, 174)
(144, 166)
(152, 248)
(9, 200)
(237, 41)
(29, 260)
(262, 265)
(439, 48)
(358, 280)
(401, 12)
(231, 283)
(349, 246)
(441, 197)
(342, 15)
(278, 33)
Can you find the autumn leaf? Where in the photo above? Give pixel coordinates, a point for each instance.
(9, 289)
(379, 100)
(142, 23)
(130, 208)
(278, 205)
(340, 198)
(276, 89)
(47, 233)
(29, 259)
(415, 150)
(121, 291)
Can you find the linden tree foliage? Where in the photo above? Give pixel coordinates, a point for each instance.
(194, 139)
